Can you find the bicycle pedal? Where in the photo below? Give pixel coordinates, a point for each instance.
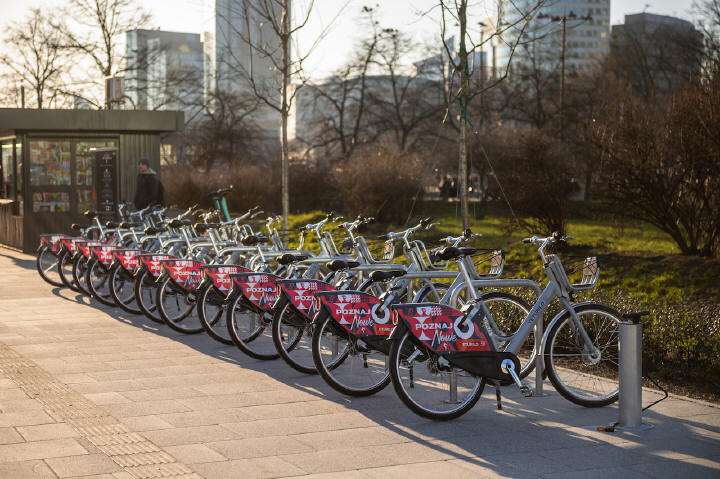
(526, 391)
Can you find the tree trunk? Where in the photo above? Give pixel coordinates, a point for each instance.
(285, 160)
(464, 100)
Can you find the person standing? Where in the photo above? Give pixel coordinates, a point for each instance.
(147, 189)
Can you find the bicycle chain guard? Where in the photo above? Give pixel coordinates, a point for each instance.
(128, 259)
(300, 294)
(152, 262)
(356, 312)
(466, 346)
(52, 242)
(260, 289)
(184, 273)
(220, 276)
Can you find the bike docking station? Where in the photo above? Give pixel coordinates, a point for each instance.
(630, 377)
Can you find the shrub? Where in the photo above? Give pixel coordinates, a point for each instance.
(381, 182)
(535, 174)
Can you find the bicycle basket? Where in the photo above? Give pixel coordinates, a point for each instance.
(494, 259)
(583, 273)
(429, 257)
(385, 251)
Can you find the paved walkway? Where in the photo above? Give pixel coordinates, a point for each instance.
(89, 391)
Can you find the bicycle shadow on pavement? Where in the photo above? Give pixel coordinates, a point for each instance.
(20, 262)
(529, 436)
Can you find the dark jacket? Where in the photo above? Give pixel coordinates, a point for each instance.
(146, 191)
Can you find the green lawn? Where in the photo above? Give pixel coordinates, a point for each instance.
(635, 258)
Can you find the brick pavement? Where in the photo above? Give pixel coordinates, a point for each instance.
(89, 391)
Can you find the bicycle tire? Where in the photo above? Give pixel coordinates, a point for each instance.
(98, 288)
(166, 292)
(145, 296)
(45, 262)
(563, 363)
(214, 324)
(396, 356)
(329, 371)
(122, 280)
(78, 273)
(65, 265)
(284, 317)
(262, 351)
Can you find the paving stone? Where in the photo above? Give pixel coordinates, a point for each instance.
(34, 469)
(264, 467)
(9, 435)
(82, 465)
(25, 418)
(189, 435)
(47, 431)
(259, 447)
(194, 453)
(40, 450)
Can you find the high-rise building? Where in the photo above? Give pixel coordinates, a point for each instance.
(164, 71)
(540, 42)
(237, 43)
(656, 52)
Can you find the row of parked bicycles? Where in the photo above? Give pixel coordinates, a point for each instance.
(359, 318)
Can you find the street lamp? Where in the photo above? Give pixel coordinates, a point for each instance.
(563, 22)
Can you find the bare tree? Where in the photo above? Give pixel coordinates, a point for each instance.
(35, 59)
(337, 106)
(401, 103)
(509, 29)
(269, 34)
(104, 24)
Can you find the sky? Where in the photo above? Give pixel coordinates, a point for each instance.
(337, 20)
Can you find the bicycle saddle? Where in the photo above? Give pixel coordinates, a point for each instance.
(203, 227)
(111, 224)
(338, 264)
(178, 223)
(288, 258)
(451, 252)
(377, 276)
(153, 230)
(128, 225)
(77, 227)
(252, 240)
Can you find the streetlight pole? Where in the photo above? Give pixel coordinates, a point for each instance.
(563, 23)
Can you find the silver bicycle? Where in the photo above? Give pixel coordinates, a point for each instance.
(442, 376)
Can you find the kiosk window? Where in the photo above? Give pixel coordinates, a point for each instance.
(84, 158)
(49, 163)
(7, 189)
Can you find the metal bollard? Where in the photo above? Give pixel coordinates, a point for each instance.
(630, 401)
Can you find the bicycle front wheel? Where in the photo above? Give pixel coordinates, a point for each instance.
(65, 266)
(586, 374)
(429, 386)
(292, 335)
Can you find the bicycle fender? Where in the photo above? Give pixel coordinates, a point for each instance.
(398, 331)
(320, 317)
(550, 325)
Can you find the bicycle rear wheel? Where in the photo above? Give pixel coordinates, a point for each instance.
(211, 310)
(346, 363)
(145, 296)
(122, 289)
(46, 263)
(249, 330)
(429, 387)
(578, 374)
(78, 272)
(176, 307)
(65, 265)
(292, 335)
(97, 281)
